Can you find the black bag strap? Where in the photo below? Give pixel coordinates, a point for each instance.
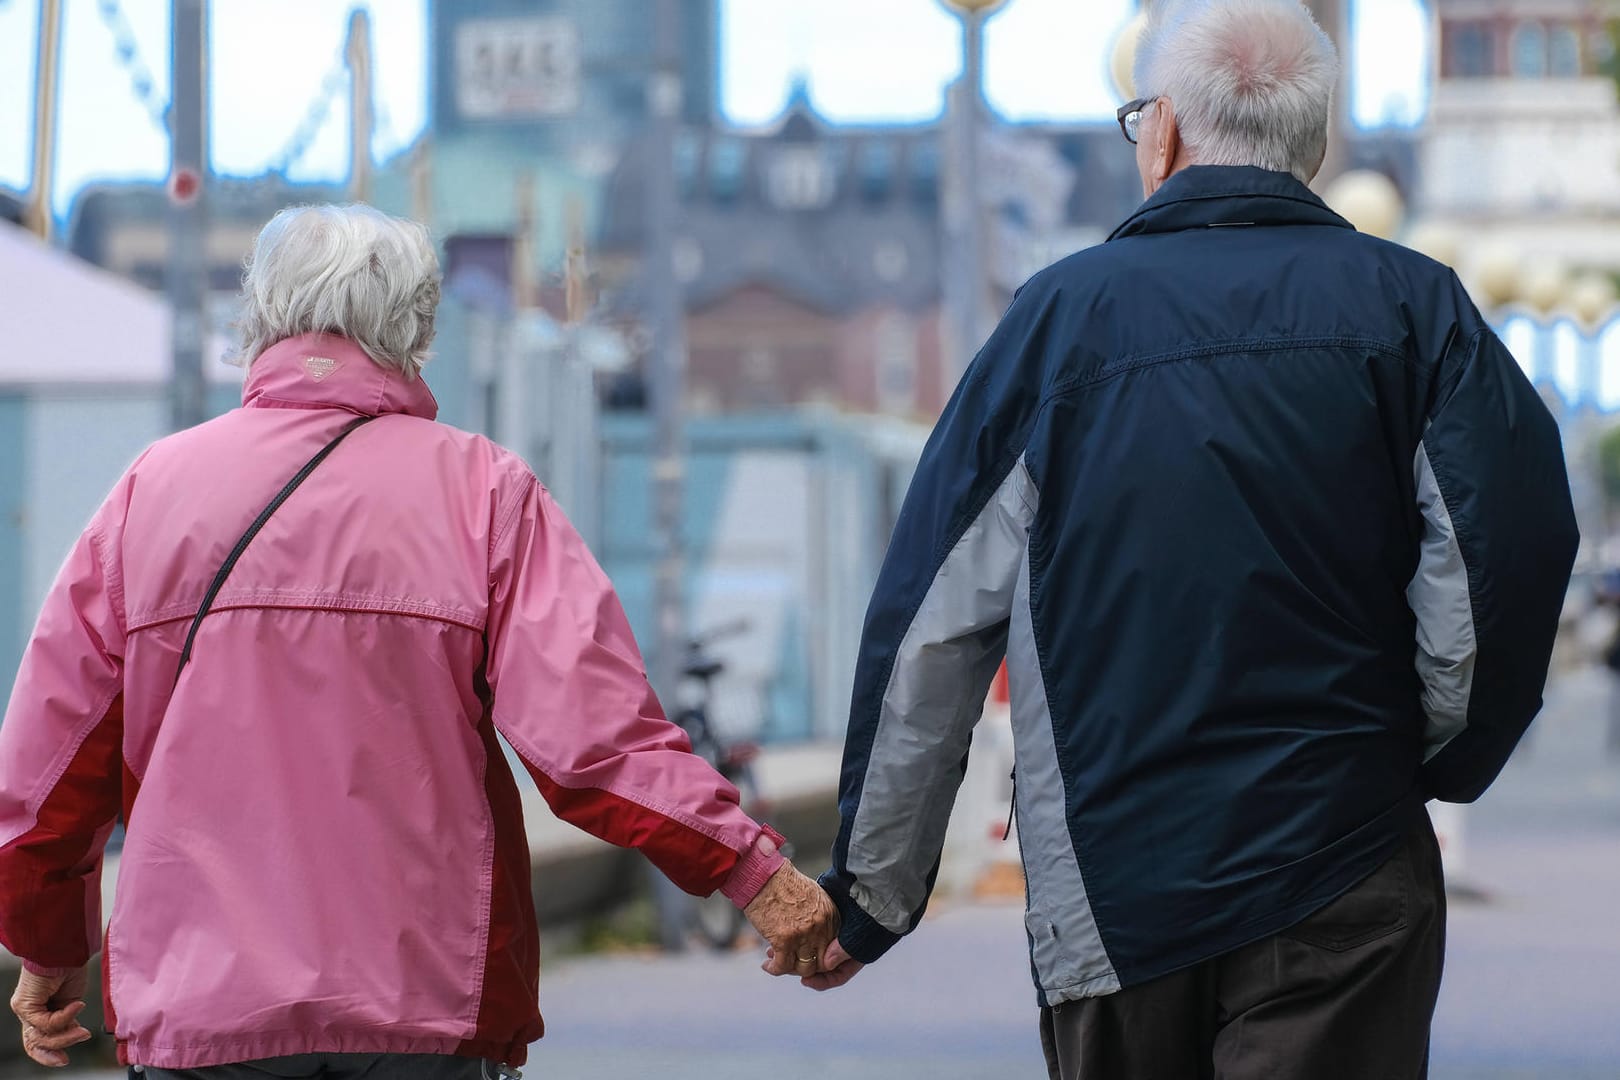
(252, 531)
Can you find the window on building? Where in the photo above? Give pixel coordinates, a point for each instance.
(877, 160)
(1564, 52)
(1530, 51)
(925, 172)
(727, 158)
(801, 179)
(688, 156)
(895, 345)
(1472, 54)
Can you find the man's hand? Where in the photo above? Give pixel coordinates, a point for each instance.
(49, 1008)
(796, 919)
(837, 968)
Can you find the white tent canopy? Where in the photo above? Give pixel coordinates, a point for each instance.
(63, 320)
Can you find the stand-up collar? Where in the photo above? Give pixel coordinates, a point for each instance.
(319, 371)
(1203, 196)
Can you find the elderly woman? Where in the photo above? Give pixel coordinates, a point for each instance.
(325, 861)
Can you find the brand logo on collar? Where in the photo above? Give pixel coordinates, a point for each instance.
(319, 367)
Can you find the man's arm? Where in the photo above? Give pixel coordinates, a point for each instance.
(935, 633)
(1499, 541)
(571, 696)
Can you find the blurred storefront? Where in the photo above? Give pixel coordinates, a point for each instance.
(80, 395)
(1522, 140)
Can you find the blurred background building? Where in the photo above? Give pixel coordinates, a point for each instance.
(630, 277)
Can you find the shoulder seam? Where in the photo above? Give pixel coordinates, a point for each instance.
(504, 522)
(1082, 381)
(115, 581)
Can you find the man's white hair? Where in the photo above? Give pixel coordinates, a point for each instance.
(1251, 80)
(347, 270)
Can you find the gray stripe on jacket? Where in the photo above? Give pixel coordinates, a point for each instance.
(942, 672)
(1066, 947)
(1440, 598)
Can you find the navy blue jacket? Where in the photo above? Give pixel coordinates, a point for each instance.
(1273, 534)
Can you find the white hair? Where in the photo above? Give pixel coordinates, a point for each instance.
(347, 270)
(1251, 80)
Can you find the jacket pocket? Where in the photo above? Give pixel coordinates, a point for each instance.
(1054, 964)
(1374, 908)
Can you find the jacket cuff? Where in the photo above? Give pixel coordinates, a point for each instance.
(47, 972)
(755, 868)
(863, 937)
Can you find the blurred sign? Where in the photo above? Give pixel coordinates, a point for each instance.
(510, 69)
(185, 184)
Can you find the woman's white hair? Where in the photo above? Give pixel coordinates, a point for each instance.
(347, 270)
(1251, 80)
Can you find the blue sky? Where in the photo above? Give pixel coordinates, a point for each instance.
(1045, 59)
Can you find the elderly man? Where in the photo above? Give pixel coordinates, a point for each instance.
(1273, 534)
(325, 873)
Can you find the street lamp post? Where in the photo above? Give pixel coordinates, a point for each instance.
(667, 361)
(966, 280)
(357, 54)
(188, 149)
(38, 213)
(666, 381)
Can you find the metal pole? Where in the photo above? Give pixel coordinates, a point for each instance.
(38, 216)
(668, 361)
(973, 253)
(358, 55)
(187, 271)
(514, 397)
(421, 172)
(667, 387)
(964, 278)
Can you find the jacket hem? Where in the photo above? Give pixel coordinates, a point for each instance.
(1375, 842)
(230, 1051)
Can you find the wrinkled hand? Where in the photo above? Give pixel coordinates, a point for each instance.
(49, 1008)
(796, 918)
(837, 968)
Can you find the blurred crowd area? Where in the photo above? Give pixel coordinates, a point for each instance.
(784, 305)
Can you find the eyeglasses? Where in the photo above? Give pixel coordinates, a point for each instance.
(1130, 117)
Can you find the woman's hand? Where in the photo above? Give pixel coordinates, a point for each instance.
(49, 1008)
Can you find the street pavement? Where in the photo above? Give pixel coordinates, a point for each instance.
(1532, 986)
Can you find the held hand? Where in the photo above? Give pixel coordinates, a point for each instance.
(49, 1008)
(796, 919)
(837, 968)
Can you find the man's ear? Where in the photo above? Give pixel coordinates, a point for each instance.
(1166, 142)
(1320, 159)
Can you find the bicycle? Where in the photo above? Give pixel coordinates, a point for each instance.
(715, 919)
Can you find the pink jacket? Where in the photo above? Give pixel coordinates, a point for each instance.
(325, 851)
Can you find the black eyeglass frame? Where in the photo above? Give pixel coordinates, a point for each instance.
(1138, 106)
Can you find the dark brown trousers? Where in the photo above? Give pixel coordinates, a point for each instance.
(1347, 993)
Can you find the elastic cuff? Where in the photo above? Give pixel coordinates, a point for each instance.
(755, 868)
(48, 972)
(863, 937)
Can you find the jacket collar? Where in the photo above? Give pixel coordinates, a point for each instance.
(321, 371)
(1202, 196)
